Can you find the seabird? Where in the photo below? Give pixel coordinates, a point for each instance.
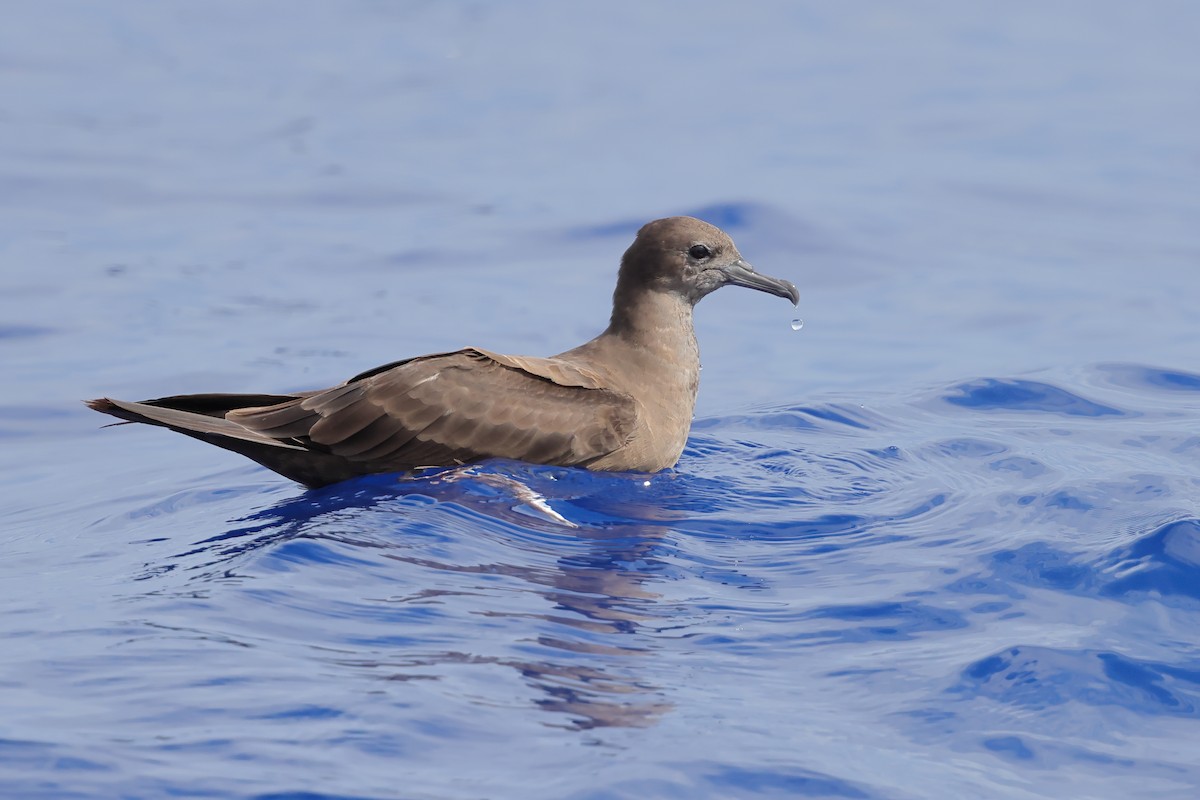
(621, 402)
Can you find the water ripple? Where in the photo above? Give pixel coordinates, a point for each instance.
(1036, 677)
(992, 394)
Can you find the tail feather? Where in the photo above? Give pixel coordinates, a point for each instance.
(192, 423)
(202, 417)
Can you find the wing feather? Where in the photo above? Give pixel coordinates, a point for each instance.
(457, 407)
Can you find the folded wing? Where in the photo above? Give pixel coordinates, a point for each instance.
(453, 408)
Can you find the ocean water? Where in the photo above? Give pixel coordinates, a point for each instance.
(942, 541)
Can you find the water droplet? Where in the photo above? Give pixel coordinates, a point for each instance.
(797, 324)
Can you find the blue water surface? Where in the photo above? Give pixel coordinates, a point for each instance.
(944, 541)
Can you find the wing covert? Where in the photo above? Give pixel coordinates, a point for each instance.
(455, 408)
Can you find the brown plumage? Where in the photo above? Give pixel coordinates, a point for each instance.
(622, 401)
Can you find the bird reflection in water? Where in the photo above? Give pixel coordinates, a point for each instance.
(591, 543)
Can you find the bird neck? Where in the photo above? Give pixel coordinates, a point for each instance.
(649, 314)
(657, 322)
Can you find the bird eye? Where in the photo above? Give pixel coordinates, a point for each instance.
(699, 252)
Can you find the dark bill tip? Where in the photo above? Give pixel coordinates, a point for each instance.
(739, 273)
